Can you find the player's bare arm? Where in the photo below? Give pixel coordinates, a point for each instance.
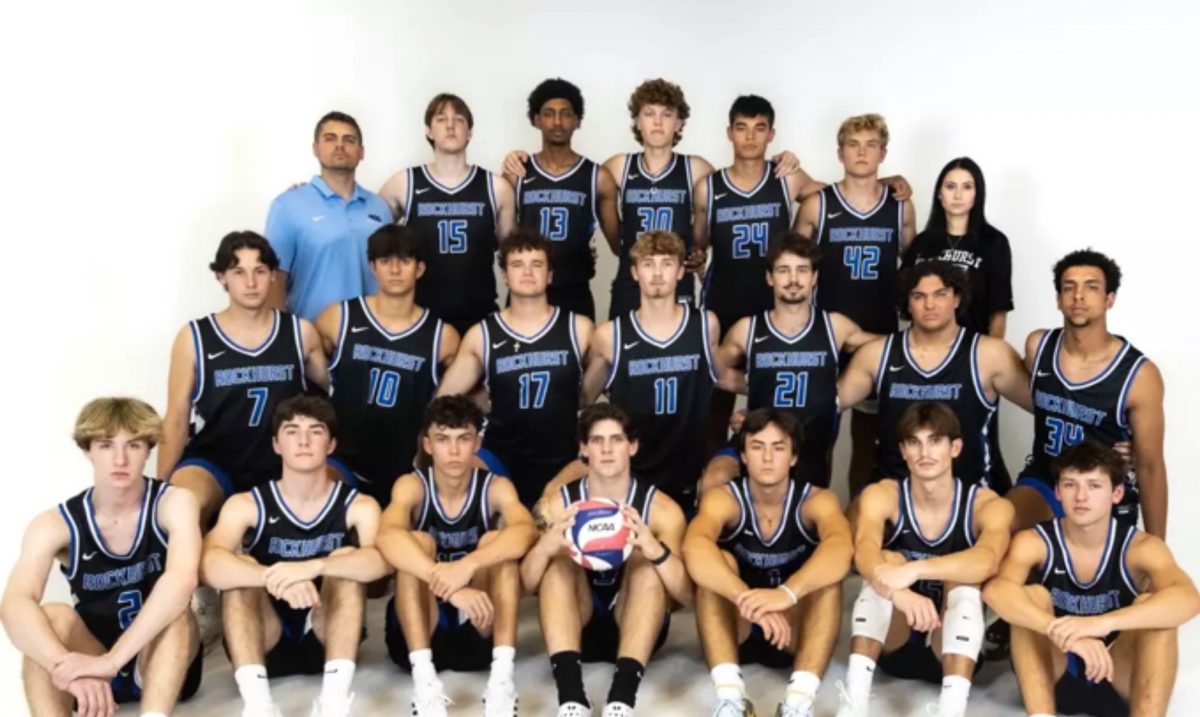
(909, 230)
(799, 184)
(1147, 422)
(729, 377)
(733, 349)
(328, 325)
(511, 543)
(721, 469)
(552, 520)
(1171, 600)
(514, 165)
(1007, 374)
(606, 201)
(506, 206)
(46, 539)
(395, 192)
(831, 561)
(599, 362)
(466, 370)
(222, 566)
(876, 505)
(449, 347)
(708, 569)
(316, 364)
(808, 217)
(666, 528)
(1006, 594)
(362, 564)
(700, 214)
(858, 380)
(181, 383)
(574, 470)
(395, 540)
(848, 335)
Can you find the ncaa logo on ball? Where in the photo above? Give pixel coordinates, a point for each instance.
(599, 538)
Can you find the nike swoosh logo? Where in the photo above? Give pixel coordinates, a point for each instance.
(498, 345)
(358, 329)
(633, 176)
(1043, 374)
(88, 556)
(835, 215)
(893, 369)
(216, 355)
(420, 191)
(1060, 572)
(717, 198)
(629, 346)
(273, 519)
(760, 339)
(319, 218)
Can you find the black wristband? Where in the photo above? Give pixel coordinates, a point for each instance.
(666, 553)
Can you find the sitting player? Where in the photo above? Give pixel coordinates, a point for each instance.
(620, 614)
(129, 547)
(768, 555)
(293, 595)
(456, 535)
(1094, 632)
(923, 545)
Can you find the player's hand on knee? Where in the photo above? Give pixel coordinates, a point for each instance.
(1098, 663)
(301, 596)
(447, 578)
(283, 575)
(73, 666)
(1065, 631)
(776, 629)
(919, 611)
(477, 606)
(514, 162)
(753, 605)
(889, 578)
(94, 697)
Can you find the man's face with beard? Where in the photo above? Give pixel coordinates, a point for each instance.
(792, 277)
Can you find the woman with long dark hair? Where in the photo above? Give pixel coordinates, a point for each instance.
(958, 232)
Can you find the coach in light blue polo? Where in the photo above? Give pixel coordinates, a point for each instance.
(320, 229)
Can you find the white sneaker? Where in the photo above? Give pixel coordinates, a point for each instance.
(786, 710)
(848, 708)
(268, 710)
(617, 709)
(429, 699)
(500, 699)
(734, 708)
(574, 709)
(320, 709)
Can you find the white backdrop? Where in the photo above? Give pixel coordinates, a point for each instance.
(139, 133)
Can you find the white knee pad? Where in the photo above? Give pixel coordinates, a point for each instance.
(962, 625)
(872, 615)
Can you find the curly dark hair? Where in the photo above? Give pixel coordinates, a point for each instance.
(658, 92)
(951, 276)
(1089, 257)
(553, 89)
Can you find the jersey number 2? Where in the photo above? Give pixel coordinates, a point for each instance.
(130, 604)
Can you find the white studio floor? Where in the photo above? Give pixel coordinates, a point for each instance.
(676, 682)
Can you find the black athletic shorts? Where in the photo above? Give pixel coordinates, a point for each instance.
(1075, 695)
(456, 644)
(601, 636)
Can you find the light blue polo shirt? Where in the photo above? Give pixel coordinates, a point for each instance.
(321, 240)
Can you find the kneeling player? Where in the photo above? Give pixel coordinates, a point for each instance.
(620, 614)
(293, 595)
(768, 555)
(923, 546)
(1088, 635)
(129, 547)
(456, 535)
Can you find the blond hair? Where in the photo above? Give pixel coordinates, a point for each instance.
(104, 418)
(657, 243)
(863, 123)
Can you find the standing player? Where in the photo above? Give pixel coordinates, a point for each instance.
(768, 555)
(456, 536)
(291, 557)
(529, 357)
(1096, 631)
(319, 229)
(936, 360)
(791, 357)
(622, 614)
(1090, 384)
(129, 547)
(229, 371)
(863, 226)
(459, 210)
(923, 545)
(388, 354)
(565, 196)
(657, 363)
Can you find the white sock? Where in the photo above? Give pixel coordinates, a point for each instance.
(252, 684)
(802, 689)
(953, 701)
(502, 663)
(422, 665)
(728, 679)
(859, 675)
(335, 685)
(153, 714)
(1041, 714)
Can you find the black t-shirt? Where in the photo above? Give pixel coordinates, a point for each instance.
(987, 260)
